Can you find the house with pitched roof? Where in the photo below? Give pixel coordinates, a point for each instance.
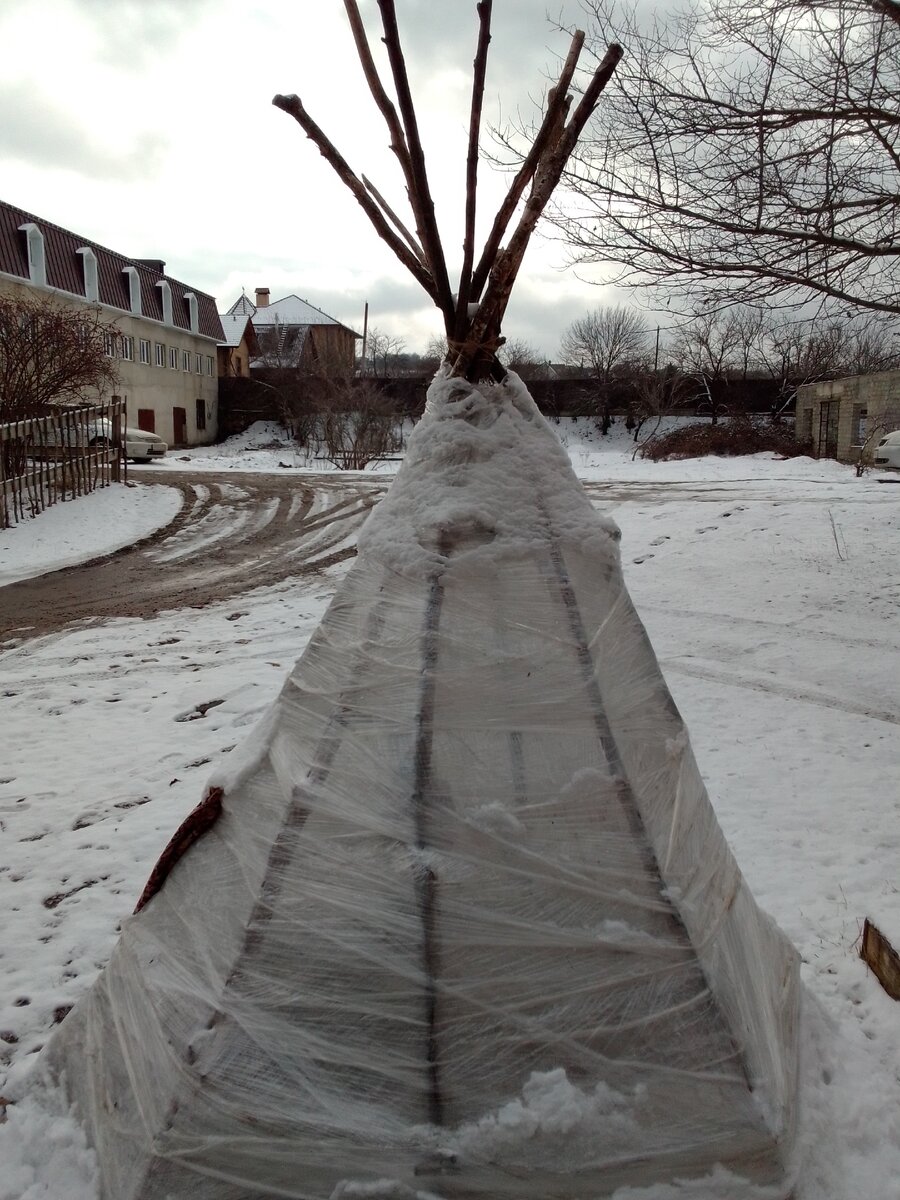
(239, 346)
(293, 334)
(168, 332)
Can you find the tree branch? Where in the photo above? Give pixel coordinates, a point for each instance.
(294, 108)
(401, 228)
(556, 101)
(420, 193)
(486, 323)
(480, 68)
(380, 96)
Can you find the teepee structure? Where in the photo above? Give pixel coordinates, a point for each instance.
(462, 923)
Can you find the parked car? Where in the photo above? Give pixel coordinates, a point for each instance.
(887, 452)
(140, 446)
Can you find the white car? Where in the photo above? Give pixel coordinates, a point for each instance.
(887, 452)
(140, 446)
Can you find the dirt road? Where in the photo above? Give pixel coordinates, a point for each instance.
(241, 530)
(234, 532)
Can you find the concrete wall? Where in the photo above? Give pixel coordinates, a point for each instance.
(865, 404)
(146, 386)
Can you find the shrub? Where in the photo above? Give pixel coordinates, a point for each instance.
(738, 435)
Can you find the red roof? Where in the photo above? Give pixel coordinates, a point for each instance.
(65, 270)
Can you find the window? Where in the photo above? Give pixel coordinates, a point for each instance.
(173, 358)
(145, 350)
(160, 354)
(193, 320)
(91, 281)
(128, 347)
(133, 281)
(201, 414)
(860, 425)
(165, 292)
(109, 343)
(198, 364)
(209, 364)
(185, 360)
(37, 267)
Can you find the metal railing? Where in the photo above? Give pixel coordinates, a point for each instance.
(44, 460)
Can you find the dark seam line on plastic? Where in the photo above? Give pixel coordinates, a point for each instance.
(426, 882)
(625, 791)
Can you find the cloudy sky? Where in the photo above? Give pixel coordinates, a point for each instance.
(147, 126)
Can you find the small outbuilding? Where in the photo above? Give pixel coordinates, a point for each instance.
(844, 418)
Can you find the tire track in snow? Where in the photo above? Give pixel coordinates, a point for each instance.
(231, 536)
(806, 695)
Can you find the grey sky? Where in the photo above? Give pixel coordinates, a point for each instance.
(149, 127)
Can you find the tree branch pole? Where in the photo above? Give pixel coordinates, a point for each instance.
(473, 344)
(379, 95)
(480, 69)
(400, 227)
(293, 106)
(486, 324)
(556, 100)
(423, 205)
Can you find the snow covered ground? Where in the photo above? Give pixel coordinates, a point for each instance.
(770, 591)
(79, 529)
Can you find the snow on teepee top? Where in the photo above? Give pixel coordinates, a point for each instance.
(482, 460)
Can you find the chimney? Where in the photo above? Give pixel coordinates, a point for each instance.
(155, 264)
(262, 297)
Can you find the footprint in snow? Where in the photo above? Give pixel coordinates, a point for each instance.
(659, 541)
(643, 558)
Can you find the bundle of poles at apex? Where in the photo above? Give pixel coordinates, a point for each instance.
(473, 316)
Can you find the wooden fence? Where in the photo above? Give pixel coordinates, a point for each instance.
(47, 459)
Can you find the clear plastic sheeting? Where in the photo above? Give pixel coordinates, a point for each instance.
(467, 926)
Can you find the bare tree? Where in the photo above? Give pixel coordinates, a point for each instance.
(52, 352)
(382, 350)
(520, 356)
(604, 340)
(872, 345)
(709, 344)
(657, 395)
(747, 153)
(357, 426)
(436, 350)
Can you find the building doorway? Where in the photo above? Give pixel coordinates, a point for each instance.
(179, 421)
(828, 428)
(147, 420)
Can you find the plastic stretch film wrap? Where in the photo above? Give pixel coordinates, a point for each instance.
(467, 925)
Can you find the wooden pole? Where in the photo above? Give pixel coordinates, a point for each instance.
(398, 224)
(380, 96)
(480, 69)
(293, 106)
(485, 325)
(420, 194)
(556, 101)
